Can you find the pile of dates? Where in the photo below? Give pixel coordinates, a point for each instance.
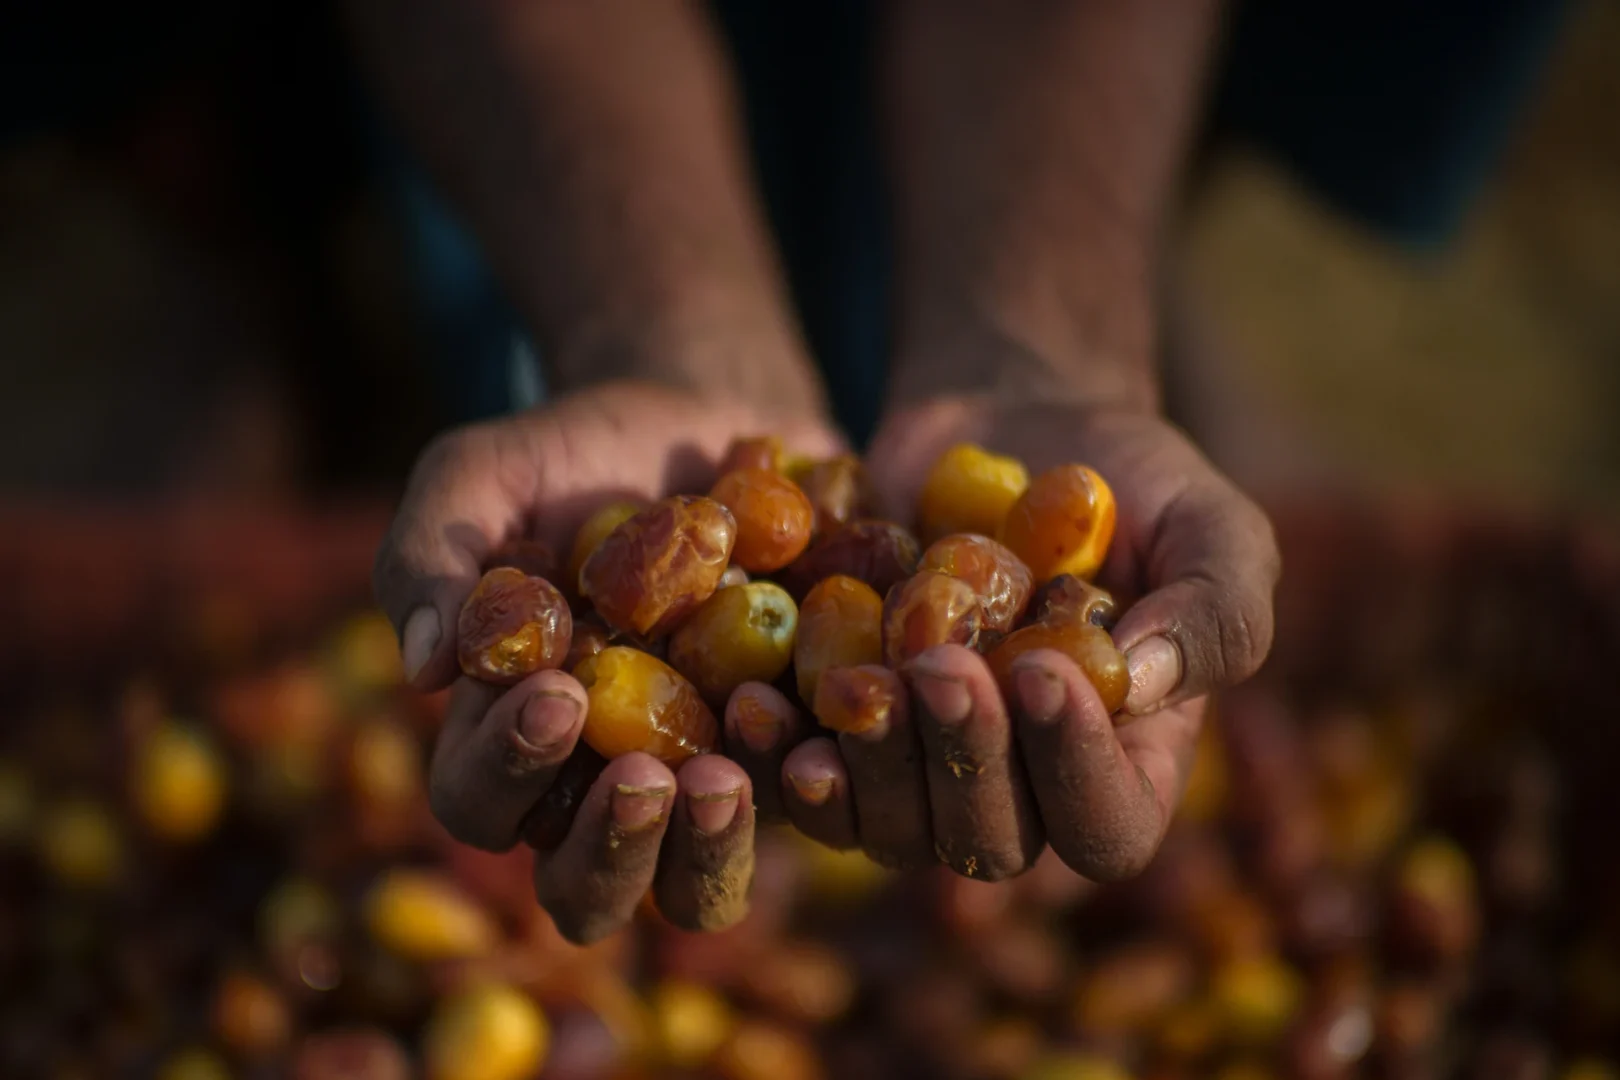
(777, 576)
(1394, 858)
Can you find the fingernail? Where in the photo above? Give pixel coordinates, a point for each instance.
(814, 792)
(638, 807)
(945, 697)
(757, 726)
(1040, 692)
(1155, 667)
(712, 811)
(547, 720)
(417, 643)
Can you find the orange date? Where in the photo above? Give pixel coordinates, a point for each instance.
(740, 634)
(512, 626)
(840, 625)
(754, 452)
(774, 518)
(880, 553)
(1001, 582)
(1062, 524)
(1089, 647)
(657, 566)
(638, 702)
(929, 609)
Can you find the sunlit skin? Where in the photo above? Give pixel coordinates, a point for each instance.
(1023, 323)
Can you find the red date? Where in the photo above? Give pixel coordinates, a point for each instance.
(879, 553)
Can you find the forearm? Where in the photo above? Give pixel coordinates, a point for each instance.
(1034, 147)
(594, 151)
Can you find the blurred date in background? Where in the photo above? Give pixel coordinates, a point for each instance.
(1393, 860)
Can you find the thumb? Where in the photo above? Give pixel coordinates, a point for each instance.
(467, 493)
(1208, 622)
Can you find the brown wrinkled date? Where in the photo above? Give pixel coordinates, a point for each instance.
(880, 553)
(657, 566)
(512, 626)
(1000, 581)
(930, 609)
(1067, 598)
(596, 529)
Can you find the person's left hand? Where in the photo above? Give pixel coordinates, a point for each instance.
(956, 774)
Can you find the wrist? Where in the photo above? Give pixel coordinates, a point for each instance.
(957, 351)
(718, 354)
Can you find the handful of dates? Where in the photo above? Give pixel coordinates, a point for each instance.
(780, 575)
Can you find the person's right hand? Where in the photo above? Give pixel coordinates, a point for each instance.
(538, 475)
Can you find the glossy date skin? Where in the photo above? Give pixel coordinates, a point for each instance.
(773, 518)
(513, 626)
(1088, 646)
(657, 566)
(931, 608)
(1062, 524)
(639, 704)
(997, 576)
(840, 625)
(741, 634)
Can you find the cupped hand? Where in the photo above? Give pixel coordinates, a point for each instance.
(688, 836)
(954, 772)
